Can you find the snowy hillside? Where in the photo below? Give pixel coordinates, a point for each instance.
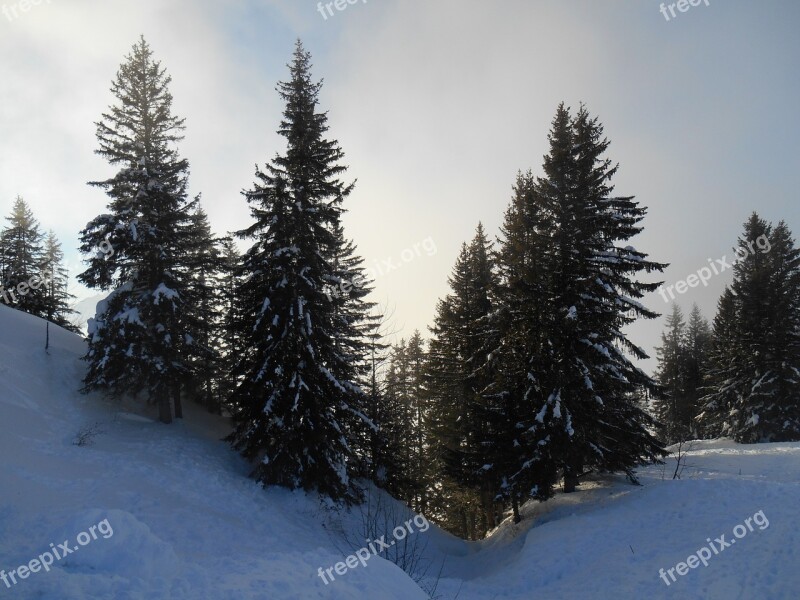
(188, 523)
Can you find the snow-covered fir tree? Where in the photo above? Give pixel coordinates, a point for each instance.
(298, 401)
(572, 288)
(697, 346)
(398, 430)
(716, 403)
(139, 337)
(587, 408)
(670, 403)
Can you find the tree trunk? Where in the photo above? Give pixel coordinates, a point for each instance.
(515, 508)
(571, 472)
(176, 398)
(164, 408)
(487, 503)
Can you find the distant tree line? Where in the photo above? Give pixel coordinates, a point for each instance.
(741, 377)
(33, 278)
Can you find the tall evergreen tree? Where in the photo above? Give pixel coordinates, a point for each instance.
(382, 446)
(588, 414)
(56, 282)
(230, 331)
(697, 344)
(720, 394)
(21, 255)
(298, 398)
(568, 288)
(519, 352)
(398, 429)
(138, 340)
(203, 264)
(456, 381)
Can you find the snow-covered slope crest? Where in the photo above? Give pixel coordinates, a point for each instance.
(155, 511)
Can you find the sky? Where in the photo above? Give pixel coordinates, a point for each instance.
(437, 105)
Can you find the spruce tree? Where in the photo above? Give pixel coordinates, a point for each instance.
(202, 265)
(56, 277)
(395, 457)
(697, 347)
(381, 458)
(671, 404)
(22, 281)
(566, 386)
(298, 399)
(586, 412)
(456, 380)
(415, 366)
(230, 331)
(720, 376)
(519, 352)
(138, 340)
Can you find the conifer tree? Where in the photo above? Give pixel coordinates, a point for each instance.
(519, 352)
(298, 399)
(456, 381)
(697, 346)
(586, 411)
(202, 267)
(415, 389)
(138, 340)
(56, 281)
(230, 331)
(21, 278)
(719, 395)
(394, 456)
(565, 384)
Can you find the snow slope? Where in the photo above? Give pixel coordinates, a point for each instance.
(187, 523)
(610, 539)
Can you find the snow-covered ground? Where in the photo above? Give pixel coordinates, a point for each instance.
(188, 523)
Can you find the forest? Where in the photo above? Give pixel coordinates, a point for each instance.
(525, 382)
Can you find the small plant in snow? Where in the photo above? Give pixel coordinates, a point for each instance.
(86, 435)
